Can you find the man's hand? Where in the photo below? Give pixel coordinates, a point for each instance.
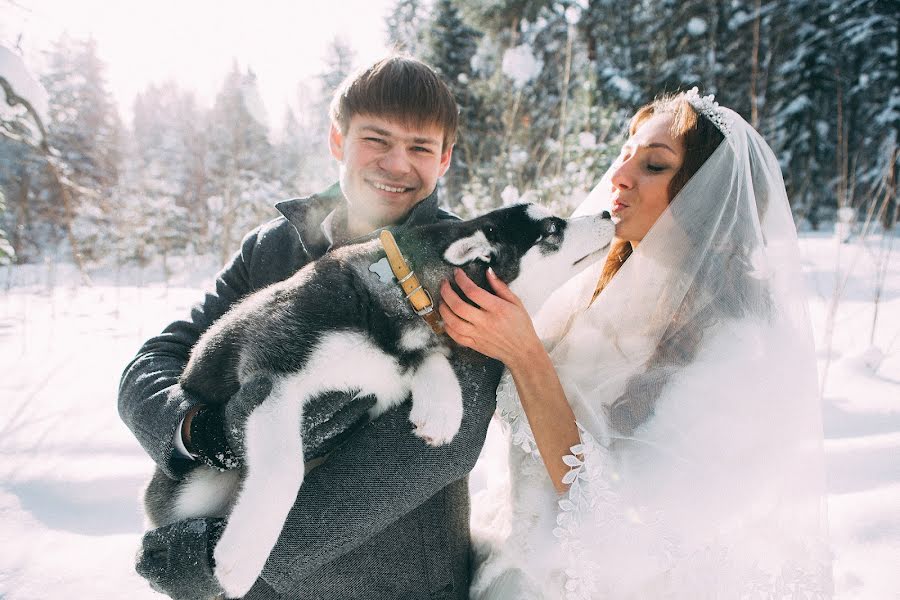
(177, 559)
(204, 436)
(215, 433)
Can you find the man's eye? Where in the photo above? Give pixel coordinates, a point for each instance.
(375, 140)
(422, 149)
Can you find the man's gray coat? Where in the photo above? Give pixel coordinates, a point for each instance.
(385, 516)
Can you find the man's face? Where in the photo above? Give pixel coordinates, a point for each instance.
(386, 168)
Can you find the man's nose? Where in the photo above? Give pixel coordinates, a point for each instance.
(395, 161)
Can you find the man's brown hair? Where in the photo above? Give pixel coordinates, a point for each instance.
(398, 88)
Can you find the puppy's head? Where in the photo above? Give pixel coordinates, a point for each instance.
(530, 249)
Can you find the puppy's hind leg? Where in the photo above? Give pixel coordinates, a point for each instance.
(437, 405)
(274, 473)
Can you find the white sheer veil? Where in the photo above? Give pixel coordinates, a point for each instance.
(693, 378)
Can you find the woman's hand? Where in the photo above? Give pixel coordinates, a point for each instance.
(498, 327)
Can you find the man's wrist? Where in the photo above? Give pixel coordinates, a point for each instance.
(208, 441)
(185, 435)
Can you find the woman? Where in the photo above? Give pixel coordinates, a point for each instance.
(663, 411)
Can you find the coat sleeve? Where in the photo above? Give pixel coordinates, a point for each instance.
(151, 401)
(376, 477)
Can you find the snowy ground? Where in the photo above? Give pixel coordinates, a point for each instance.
(71, 473)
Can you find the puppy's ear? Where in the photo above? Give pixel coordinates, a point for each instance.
(468, 249)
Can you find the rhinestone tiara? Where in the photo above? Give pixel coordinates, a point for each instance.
(709, 108)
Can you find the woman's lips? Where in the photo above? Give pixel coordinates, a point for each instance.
(617, 206)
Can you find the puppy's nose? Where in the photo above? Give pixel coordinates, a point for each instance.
(605, 215)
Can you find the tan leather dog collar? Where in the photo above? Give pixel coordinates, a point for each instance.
(418, 296)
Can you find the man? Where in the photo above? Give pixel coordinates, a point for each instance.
(384, 515)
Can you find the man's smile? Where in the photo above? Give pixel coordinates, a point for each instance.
(393, 189)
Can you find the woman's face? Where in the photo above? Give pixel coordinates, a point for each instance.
(641, 175)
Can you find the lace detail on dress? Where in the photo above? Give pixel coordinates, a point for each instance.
(593, 502)
(595, 524)
(513, 418)
(614, 548)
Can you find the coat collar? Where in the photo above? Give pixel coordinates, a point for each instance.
(307, 214)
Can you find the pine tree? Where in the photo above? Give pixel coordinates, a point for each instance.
(407, 26)
(620, 45)
(85, 134)
(451, 44)
(868, 75)
(167, 175)
(338, 65)
(805, 131)
(242, 178)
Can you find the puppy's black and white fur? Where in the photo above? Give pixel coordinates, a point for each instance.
(337, 326)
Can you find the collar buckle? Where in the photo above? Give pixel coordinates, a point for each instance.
(419, 298)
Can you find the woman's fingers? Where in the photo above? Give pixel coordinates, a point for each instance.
(459, 330)
(460, 307)
(501, 289)
(479, 296)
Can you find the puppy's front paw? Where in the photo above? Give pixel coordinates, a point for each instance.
(437, 406)
(438, 418)
(437, 431)
(235, 569)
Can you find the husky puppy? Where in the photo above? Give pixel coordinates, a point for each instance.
(336, 325)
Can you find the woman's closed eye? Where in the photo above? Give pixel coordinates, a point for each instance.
(656, 168)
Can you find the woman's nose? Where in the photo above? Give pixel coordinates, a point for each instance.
(621, 177)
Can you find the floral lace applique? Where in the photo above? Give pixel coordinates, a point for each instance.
(593, 518)
(592, 480)
(513, 418)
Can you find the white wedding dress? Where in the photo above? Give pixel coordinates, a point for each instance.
(718, 490)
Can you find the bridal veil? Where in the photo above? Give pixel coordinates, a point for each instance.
(693, 379)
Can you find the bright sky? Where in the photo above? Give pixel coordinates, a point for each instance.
(196, 41)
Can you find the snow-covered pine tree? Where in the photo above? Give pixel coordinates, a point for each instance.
(407, 24)
(7, 253)
(339, 59)
(289, 151)
(803, 99)
(867, 33)
(166, 174)
(242, 181)
(451, 44)
(619, 39)
(85, 131)
(21, 169)
(307, 134)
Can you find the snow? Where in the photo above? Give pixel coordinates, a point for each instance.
(520, 65)
(625, 88)
(71, 472)
(696, 26)
(14, 71)
(509, 195)
(587, 140)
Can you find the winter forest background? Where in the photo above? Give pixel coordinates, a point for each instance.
(112, 224)
(545, 89)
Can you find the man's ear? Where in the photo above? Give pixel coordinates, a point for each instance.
(446, 155)
(336, 143)
(468, 249)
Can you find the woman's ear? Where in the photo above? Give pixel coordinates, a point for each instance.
(468, 249)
